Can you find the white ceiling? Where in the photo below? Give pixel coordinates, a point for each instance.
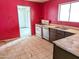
(40, 1)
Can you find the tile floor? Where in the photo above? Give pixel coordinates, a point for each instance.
(30, 48)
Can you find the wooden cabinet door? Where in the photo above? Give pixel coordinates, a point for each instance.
(59, 34)
(68, 34)
(52, 35)
(60, 53)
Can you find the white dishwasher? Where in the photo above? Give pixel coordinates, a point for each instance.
(46, 33)
(38, 30)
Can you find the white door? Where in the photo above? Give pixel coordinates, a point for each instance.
(24, 21)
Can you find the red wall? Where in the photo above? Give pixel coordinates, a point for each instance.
(50, 12)
(9, 27)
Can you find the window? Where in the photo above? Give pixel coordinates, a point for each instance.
(74, 14)
(64, 12)
(69, 12)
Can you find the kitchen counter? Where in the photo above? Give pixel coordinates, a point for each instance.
(70, 43)
(70, 29)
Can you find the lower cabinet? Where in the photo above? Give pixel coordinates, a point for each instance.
(59, 53)
(68, 34)
(55, 34)
(59, 34)
(52, 35)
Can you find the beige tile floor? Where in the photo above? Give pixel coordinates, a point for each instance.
(30, 48)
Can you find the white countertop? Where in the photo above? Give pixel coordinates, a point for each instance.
(70, 44)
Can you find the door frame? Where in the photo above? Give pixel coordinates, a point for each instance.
(30, 17)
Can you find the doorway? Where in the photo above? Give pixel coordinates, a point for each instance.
(24, 21)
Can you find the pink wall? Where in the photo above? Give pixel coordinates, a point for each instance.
(9, 27)
(50, 12)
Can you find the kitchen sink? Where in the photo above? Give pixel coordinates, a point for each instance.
(62, 28)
